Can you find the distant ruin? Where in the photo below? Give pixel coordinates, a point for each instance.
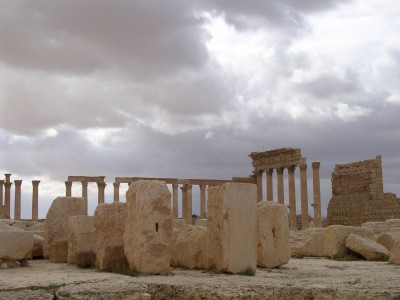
(358, 196)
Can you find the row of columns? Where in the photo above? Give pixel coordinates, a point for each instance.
(5, 209)
(101, 186)
(292, 192)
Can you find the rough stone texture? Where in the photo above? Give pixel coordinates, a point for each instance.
(55, 226)
(314, 242)
(335, 238)
(109, 223)
(191, 248)
(59, 251)
(367, 248)
(395, 254)
(148, 227)
(357, 194)
(232, 227)
(81, 237)
(178, 224)
(377, 227)
(393, 224)
(388, 239)
(201, 222)
(15, 244)
(273, 237)
(37, 250)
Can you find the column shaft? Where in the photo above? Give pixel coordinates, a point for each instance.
(304, 196)
(292, 199)
(259, 186)
(35, 200)
(101, 186)
(1, 200)
(203, 214)
(317, 194)
(85, 195)
(189, 209)
(270, 191)
(7, 196)
(175, 200)
(183, 189)
(17, 200)
(68, 188)
(116, 191)
(281, 192)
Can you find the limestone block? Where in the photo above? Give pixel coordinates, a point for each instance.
(55, 226)
(393, 224)
(314, 242)
(273, 237)
(232, 215)
(191, 248)
(335, 238)
(59, 251)
(81, 237)
(15, 244)
(148, 227)
(201, 222)
(395, 254)
(377, 227)
(178, 224)
(367, 248)
(109, 223)
(296, 250)
(387, 239)
(37, 250)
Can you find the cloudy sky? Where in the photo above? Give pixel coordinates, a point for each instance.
(188, 89)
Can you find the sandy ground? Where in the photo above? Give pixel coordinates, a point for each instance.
(300, 279)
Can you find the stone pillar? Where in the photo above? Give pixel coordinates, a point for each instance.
(116, 191)
(68, 188)
(317, 194)
(281, 192)
(203, 213)
(1, 199)
(270, 191)
(175, 200)
(35, 200)
(183, 189)
(101, 186)
(85, 194)
(304, 196)
(259, 186)
(189, 209)
(7, 196)
(17, 200)
(292, 198)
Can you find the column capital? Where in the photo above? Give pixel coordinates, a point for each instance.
(303, 167)
(270, 171)
(202, 186)
(36, 182)
(116, 184)
(1, 181)
(18, 183)
(315, 165)
(280, 170)
(7, 177)
(84, 183)
(292, 168)
(101, 184)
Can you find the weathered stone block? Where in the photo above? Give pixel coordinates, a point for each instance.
(81, 237)
(395, 254)
(59, 251)
(37, 250)
(55, 226)
(191, 248)
(314, 242)
(232, 227)
(15, 244)
(367, 248)
(377, 227)
(201, 222)
(388, 239)
(393, 224)
(109, 223)
(148, 227)
(178, 224)
(335, 238)
(273, 237)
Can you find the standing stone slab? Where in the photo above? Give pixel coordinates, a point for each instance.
(55, 226)
(81, 240)
(232, 219)
(148, 227)
(273, 236)
(109, 223)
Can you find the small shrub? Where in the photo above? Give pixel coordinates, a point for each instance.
(85, 259)
(248, 272)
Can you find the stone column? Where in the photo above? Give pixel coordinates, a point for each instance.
(292, 198)
(101, 186)
(183, 189)
(1, 200)
(259, 186)
(85, 194)
(35, 200)
(189, 209)
(17, 200)
(203, 214)
(116, 191)
(317, 194)
(175, 200)
(304, 196)
(281, 192)
(7, 196)
(270, 190)
(68, 188)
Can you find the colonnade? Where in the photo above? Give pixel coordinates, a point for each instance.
(5, 202)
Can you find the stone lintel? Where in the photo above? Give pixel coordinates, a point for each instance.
(96, 179)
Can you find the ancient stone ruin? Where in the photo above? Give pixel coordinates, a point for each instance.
(358, 196)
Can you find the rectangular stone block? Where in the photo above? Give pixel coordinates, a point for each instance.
(81, 238)
(232, 219)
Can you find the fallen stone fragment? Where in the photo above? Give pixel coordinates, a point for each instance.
(395, 254)
(367, 248)
(15, 245)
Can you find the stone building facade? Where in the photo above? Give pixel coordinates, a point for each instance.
(358, 196)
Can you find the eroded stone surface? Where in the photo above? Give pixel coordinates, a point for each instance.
(148, 227)
(388, 239)
(15, 244)
(59, 251)
(232, 227)
(273, 245)
(395, 254)
(314, 242)
(367, 248)
(81, 237)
